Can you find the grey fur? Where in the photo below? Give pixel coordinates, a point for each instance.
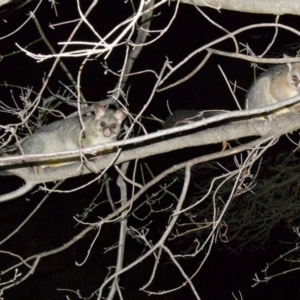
(278, 83)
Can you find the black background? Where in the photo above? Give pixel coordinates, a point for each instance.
(53, 225)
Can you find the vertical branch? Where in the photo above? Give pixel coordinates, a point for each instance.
(122, 234)
(133, 54)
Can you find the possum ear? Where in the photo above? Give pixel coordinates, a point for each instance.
(290, 65)
(121, 114)
(99, 110)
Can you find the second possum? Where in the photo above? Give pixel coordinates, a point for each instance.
(278, 83)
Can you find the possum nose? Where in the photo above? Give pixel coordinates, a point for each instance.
(106, 132)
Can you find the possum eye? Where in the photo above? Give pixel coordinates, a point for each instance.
(295, 78)
(103, 124)
(113, 126)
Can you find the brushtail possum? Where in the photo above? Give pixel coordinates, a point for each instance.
(63, 135)
(278, 83)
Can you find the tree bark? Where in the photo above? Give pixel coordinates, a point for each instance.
(276, 7)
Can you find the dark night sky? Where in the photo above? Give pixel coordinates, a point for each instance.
(54, 224)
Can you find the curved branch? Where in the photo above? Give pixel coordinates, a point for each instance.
(282, 125)
(274, 7)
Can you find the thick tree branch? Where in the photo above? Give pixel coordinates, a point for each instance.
(276, 7)
(264, 128)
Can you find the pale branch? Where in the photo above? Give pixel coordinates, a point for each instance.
(275, 7)
(193, 162)
(223, 38)
(142, 34)
(284, 124)
(255, 59)
(122, 233)
(101, 47)
(233, 115)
